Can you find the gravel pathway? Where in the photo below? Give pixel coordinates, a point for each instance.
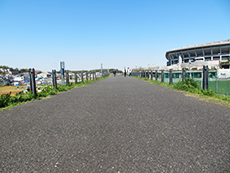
(116, 125)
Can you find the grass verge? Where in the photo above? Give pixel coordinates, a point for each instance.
(191, 88)
(8, 101)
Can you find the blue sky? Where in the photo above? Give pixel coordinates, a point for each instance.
(117, 33)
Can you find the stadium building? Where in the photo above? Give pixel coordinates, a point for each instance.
(215, 55)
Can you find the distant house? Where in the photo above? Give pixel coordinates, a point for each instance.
(14, 72)
(44, 75)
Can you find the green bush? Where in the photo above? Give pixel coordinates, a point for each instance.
(186, 85)
(208, 92)
(4, 99)
(49, 90)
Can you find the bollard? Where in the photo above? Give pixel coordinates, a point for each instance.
(75, 73)
(162, 76)
(183, 74)
(170, 77)
(156, 75)
(67, 77)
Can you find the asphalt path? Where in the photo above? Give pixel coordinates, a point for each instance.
(116, 125)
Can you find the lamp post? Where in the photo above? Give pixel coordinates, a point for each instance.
(190, 69)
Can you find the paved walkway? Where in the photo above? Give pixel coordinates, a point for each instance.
(116, 125)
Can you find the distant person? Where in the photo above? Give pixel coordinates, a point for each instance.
(124, 71)
(129, 71)
(114, 73)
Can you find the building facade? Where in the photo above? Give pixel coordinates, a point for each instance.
(215, 55)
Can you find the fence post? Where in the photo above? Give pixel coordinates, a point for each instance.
(162, 76)
(82, 80)
(86, 76)
(67, 77)
(33, 82)
(62, 67)
(156, 75)
(183, 74)
(170, 77)
(206, 70)
(151, 75)
(54, 79)
(216, 84)
(30, 79)
(205, 77)
(75, 77)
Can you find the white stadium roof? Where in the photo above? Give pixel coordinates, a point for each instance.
(198, 46)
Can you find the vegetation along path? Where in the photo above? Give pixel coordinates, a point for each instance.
(116, 125)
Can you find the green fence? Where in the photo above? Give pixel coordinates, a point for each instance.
(177, 76)
(220, 86)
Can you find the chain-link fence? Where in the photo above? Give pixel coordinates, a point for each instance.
(220, 86)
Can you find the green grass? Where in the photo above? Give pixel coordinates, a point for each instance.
(7, 101)
(192, 87)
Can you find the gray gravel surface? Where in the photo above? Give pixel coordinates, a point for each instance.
(116, 125)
